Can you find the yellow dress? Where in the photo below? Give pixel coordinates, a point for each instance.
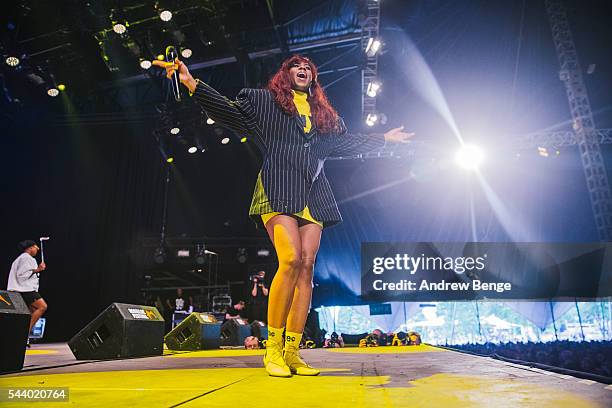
(301, 103)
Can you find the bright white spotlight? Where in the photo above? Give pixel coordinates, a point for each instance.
(192, 149)
(165, 15)
(119, 28)
(53, 92)
(371, 119)
(186, 52)
(372, 47)
(12, 61)
(469, 157)
(145, 64)
(210, 121)
(225, 140)
(373, 88)
(175, 130)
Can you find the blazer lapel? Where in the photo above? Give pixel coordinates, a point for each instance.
(300, 125)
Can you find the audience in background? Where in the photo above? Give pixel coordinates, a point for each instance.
(591, 357)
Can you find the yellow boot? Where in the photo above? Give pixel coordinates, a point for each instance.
(297, 365)
(292, 355)
(273, 359)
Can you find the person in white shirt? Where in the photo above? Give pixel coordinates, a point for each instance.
(23, 278)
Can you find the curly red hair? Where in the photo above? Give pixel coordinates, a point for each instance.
(324, 115)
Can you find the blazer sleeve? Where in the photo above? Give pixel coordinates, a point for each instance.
(349, 144)
(238, 115)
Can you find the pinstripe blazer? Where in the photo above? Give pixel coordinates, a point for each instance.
(292, 174)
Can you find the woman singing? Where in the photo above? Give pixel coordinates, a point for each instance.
(296, 129)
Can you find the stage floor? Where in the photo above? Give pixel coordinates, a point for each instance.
(422, 376)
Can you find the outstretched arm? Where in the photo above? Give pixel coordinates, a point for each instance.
(238, 115)
(349, 144)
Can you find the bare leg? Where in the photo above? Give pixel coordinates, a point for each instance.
(310, 235)
(285, 236)
(38, 308)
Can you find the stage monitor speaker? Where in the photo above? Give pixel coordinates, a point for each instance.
(198, 331)
(121, 330)
(259, 329)
(234, 331)
(14, 325)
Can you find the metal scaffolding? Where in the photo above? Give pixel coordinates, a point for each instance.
(583, 124)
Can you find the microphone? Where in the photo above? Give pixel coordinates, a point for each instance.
(170, 57)
(42, 248)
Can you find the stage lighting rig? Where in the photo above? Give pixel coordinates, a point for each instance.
(145, 64)
(160, 255)
(186, 52)
(373, 46)
(373, 88)
(12, 61)
(200, 257)
(165, 15)
(371, 119)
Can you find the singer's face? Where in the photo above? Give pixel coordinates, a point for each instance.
(301, 76)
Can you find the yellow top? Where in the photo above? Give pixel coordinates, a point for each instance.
(300, 99)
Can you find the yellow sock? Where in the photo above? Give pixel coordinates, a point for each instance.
(292, 340)
(275, 335)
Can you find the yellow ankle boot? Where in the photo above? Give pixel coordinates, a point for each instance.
(292, 356)
(273, 359)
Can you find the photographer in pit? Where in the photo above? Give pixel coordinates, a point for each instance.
(259, 297)
(334, 341)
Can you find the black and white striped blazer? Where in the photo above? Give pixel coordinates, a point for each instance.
(292, 174)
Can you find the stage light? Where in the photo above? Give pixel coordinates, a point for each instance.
(53, 92)
(61, 87)
(159, 256)
(175, 130)
(542, 151)
(373, 88)
(469, 157)
(186, 52)
(243, 140)
(200, 257)
(165, 15)
(192, 149)
(209, 121)
(119, 28)
(170, 159)
(145, 64)
(225, 140)
(263, 252)
(371, 119)
(372, 47)
(242, 255)
(12, 61)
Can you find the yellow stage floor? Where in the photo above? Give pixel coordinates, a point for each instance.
(422, 376)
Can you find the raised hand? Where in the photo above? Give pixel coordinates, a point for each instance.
(397, 136)
(183, 72)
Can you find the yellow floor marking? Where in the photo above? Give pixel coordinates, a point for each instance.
(33, 352)
(254, 388)
(217, 353)
(423, 348)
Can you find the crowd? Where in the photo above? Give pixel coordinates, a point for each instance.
(590, 357)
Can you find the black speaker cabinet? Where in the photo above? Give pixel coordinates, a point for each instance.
(120, 331)
(199, 331)
(14, 325)
(234, 331)
(259, 329)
